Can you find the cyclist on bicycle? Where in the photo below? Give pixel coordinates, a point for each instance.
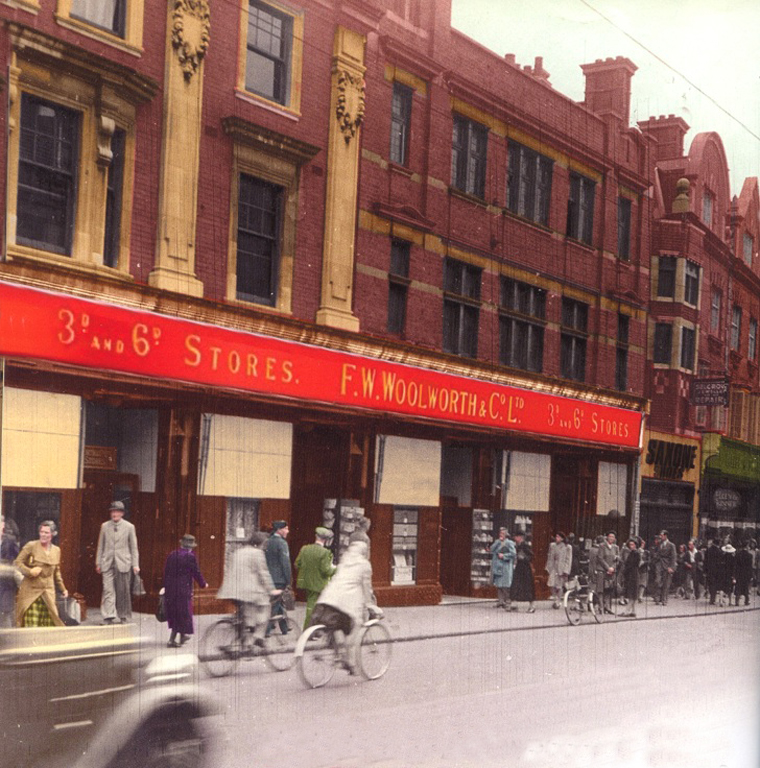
(249, 585)
(346, 599)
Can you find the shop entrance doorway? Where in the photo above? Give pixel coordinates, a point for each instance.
(100, 489)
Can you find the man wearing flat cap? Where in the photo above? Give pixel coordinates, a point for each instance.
(277, 554)
(315, 568)
(116, 560)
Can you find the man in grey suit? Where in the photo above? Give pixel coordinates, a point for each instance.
(666, 566)
(116, 559)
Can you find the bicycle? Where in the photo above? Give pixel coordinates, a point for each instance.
(579, 599)
(227, 641)
(318, 653)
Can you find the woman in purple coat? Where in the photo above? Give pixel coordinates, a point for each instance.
(180, 570)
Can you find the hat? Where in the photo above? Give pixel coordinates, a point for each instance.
(728, 549)
(188, 542)
(323, 533)
(117, 506)
(277, 524)
(518, 532)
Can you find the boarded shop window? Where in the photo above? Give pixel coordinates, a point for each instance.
(525, 481)
(407, 471)
(41, 439)
(244, 458)
(612, 488)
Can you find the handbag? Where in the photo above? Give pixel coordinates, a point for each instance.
(161, 608)
(138, 588)
(288, 599)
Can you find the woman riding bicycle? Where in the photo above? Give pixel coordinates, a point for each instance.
(345, 600)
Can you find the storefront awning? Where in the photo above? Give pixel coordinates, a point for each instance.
(60, 328)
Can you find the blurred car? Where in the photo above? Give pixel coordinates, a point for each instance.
(99, 697)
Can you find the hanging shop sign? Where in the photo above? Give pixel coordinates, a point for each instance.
(61, 328)
(709, 392)
(670, 460)
(726, 499)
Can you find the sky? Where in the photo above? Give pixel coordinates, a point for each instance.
(699, 60)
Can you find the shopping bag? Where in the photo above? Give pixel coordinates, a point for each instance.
(138, 588)
(161, 609)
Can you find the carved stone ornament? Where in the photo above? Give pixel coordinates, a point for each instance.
(350, 107)
(190, 33)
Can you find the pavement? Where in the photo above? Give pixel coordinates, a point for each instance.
(460, 616)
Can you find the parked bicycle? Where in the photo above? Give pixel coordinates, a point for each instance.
(580, 599)
(318, 653)
(228, 640)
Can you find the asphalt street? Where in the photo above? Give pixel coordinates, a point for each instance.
(679, 688)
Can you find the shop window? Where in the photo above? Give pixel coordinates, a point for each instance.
(398, 286)
(401, 123)
(621, 352)
(663, 343)
(521, 325)
(27, 509)
(748, 248)
(468, 156)
(461, 308)
(624, 228)
(407, 471)
(242, 521)
(264, 196)
(70, 162)
(259, 218)
(529, 183)
(612, 489)
(47, 175)
(524, 479)
(736, 327)
(405, 536)
(715, 303)
(666, 277)
(752, 339)
(691, 289)
(580, 208)
(688, 338)
(117, 22)
(573, 339)
(273, 53)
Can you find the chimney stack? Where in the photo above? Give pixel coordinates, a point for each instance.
(608, 87)
(668, 133)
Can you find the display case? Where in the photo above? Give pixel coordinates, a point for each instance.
(405, 533)
(482, 538)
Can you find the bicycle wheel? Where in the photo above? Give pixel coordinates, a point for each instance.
(596, 607)
(317, 664)
(374, 651)
(220, 648)
(280, 645)
(573, 606)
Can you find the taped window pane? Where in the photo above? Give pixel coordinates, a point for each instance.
(407, 471)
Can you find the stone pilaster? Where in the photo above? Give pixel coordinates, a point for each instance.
(346, 115)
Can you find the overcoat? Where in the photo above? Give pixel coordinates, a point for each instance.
(33, 554)
(523, 588)
(315, 567)
(559, 561)
(180, 570)
(350, 589)
(248, 579)
(502, 569)
(278, 560)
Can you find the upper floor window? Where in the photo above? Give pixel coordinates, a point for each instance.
(461, 308)
(707, 208)
(468, 156)
(114, 199)
(258, 240)
(270, 42)
(529, 183)
(401, 123)
(752, 341)
(736, 327)
(521, 325)
(624, 228)
(691, 288)
(748, 248)
(47, 175)
(666, 277)
(573, 339)
(398, 285)
(580, 208)
(716, 298)
(621, 353)
(688, 338)
(663, 343)
(106, 14)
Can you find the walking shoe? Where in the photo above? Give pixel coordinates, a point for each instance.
(172, 644)
(531, 609)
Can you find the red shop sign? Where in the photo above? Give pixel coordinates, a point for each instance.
(57, 327)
